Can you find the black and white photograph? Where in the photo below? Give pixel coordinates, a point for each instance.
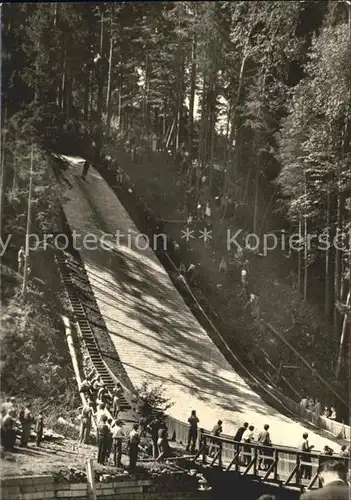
(175, 250)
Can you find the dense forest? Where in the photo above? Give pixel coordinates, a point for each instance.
(253, 97)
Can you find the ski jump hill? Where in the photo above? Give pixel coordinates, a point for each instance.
(156, 336)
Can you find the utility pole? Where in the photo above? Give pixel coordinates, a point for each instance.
(25, 271)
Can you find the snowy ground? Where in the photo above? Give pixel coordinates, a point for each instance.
(155, 334)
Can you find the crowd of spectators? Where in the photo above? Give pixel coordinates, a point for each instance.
(314, 406)
(17, 423)
(112, 436)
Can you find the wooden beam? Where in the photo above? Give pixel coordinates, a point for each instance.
(270, 469)
(215, 457)
(233, 460)
(295, 471)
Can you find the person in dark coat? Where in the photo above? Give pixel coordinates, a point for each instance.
(103, 434)
(8, 430)
(333, 477)
(86, 167)
(239, 433)
(26, 419)
(192, 433)
(39, 429)
(133, 441)
(162, 442)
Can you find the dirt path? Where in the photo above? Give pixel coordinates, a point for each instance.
(156, 336)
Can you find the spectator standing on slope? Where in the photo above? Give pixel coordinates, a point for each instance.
(153, 428)
(86, 167)
(101, 411)
(116, 401)
(102, 439)
(193, 431)
(109, 444)
(268, 497)
(8, 430)
(239, 433)
(318, 408)
(248, 437)
(21, 259)
(9, 405)
(26, 419)
(223, 265)
(39, 429)
(85, 423)
(117, 436)
(326, 412)
(85, 388)
(304, 403)
(345, 451)
(332, 413)
(305, 468)
(133, 441)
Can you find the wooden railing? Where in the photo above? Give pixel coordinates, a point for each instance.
(283, 465)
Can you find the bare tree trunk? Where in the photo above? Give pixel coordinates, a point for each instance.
(99, 69)
(299, 261)
(225, 156)
(2, 173)
(343, 338)
(305, 275)
(192, 97)
(179, 99)
(202, 144)
(257, 176)
(91, 94)
(100, 78)
(109, 79)
(232, 146)
(55, 14)
(327, 263)
(86, 98)
(164, 120)
(29, 210)
(63, 81)
(212, 123)
(257, 147)
(337, 270)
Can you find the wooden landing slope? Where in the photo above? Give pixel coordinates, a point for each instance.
(155, 334)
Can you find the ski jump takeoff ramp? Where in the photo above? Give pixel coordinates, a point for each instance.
(156, 336)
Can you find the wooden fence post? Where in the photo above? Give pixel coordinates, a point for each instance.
(276, 458)
(91, 479)
(220, 449)
(204, 445)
